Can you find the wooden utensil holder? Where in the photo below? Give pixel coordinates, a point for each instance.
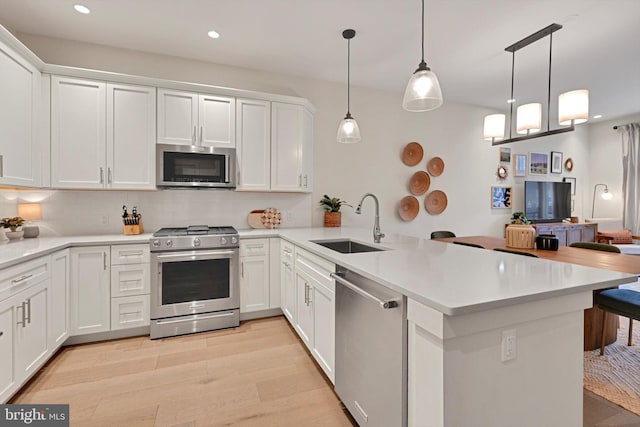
(134, 229)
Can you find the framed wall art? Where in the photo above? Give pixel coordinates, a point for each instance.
(519, 165)
(505, 155)
(501, 197)
(572, 181)
(556, 162)
(538, 163)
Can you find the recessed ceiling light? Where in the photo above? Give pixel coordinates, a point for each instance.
(213, 34)
(511, 101)
(597, 116)
(82, 9)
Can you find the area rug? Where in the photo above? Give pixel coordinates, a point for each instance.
(616, 375)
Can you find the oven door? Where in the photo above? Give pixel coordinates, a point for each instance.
(192, 282)
(195, 166)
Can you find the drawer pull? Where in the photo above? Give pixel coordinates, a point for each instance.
(22, 278)
(1, 333)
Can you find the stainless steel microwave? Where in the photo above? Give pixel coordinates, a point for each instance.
(195, 166)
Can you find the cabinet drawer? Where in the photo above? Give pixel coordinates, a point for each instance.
(254, 247)
(129, 312)
(287, 250)
(129, 254)
(315, 266)
(128, 280)
(14, 279)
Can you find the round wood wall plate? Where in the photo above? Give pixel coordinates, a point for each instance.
(412, 154)
(408, 208)
(436, 202)
(419, 183)
(435, 166)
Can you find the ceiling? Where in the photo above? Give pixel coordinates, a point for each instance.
(598, 48)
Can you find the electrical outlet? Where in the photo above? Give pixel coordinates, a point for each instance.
(104, 219)
(288, 215)
(509, 345)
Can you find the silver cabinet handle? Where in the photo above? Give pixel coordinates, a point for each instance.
(382, 303)
(242, 270)
(101, 175)
(104, 260)
(226, 169)
(109, 175)
(193, 137)
(21, 278)
(300, 180)
(309, 295)
(201, 135)
(23, 323)
(305, 181)
(28, 316)
(1, 165)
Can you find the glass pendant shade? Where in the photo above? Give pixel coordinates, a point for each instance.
(529, 118)
(423, 92)
(348, 130)
(494, 127)
(606, 195)
(573, 107)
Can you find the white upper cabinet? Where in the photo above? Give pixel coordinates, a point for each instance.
(253, 145)
(131, 126)
(196, 119)
(102, 135)
(19, 98)
(291, 142)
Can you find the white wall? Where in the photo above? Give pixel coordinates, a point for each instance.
(453, 132)
(605, 146)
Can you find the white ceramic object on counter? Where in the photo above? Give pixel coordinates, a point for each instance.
(15, 235)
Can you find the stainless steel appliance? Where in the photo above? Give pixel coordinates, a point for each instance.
(194, 280)
(194, 166)
(371, 350)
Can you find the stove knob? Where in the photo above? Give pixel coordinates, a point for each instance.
(156, 243)
(168, 243)
(196, 242)
(234, 240)
(223, 240)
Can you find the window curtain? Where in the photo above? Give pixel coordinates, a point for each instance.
(631, 176)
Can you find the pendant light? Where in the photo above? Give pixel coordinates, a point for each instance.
(423, 91)
(348, 130)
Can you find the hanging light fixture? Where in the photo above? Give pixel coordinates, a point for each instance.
(423, 91)
(348, 130)
(573, 106)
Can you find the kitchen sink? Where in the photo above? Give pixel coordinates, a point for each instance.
(346, 246)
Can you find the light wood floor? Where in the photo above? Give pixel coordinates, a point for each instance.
(256, 375)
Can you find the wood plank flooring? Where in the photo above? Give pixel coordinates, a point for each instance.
(256, 375)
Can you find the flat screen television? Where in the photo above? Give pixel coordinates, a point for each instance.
(547, 201)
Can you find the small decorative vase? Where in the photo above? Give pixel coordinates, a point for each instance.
(3, 237)
(332, 219)
(521, 236)
(15, 235)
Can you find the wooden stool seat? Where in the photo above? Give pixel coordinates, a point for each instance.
(624, 302)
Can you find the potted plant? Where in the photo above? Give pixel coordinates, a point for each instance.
(332, 215)
(13, 224)
(519, 218)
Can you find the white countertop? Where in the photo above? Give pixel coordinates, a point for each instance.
(452, 279)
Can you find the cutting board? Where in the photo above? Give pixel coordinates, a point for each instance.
(264, 218)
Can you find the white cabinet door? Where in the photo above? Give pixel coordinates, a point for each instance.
(30, 332)
(286, 146)
(78, 141)
(177, 117)
(59, 299)
(20, 153)
(304, 307)
(89, 287)
(324, 328)
(287, 282)
(7, 375)
(130, 279)
(253, 145)
(307, 152)
(129, 312)
(217, 119)
(254, 283)
(131, 127)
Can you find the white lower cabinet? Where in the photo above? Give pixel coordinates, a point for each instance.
(59, 299)
(287, 281)
(130, 286)
(30, 337)
(90, 308)
(129, 312)
(254, 275)
(7, 373)
(315, 307)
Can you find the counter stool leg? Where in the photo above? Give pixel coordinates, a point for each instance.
(630, 331)
(604, 331)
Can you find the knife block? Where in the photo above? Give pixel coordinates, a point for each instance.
(134, 229)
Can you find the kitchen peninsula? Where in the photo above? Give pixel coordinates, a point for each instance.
(460, 303)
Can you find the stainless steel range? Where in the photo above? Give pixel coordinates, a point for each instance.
(194, 280)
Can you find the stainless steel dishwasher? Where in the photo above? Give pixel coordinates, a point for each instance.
(371, 350)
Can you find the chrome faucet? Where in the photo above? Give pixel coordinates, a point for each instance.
(377, 235)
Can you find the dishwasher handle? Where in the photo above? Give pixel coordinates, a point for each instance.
(385, 304)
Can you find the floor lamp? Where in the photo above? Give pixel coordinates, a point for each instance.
(605, 196)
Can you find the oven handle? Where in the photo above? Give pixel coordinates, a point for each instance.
(191, 256)
(215, 316)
